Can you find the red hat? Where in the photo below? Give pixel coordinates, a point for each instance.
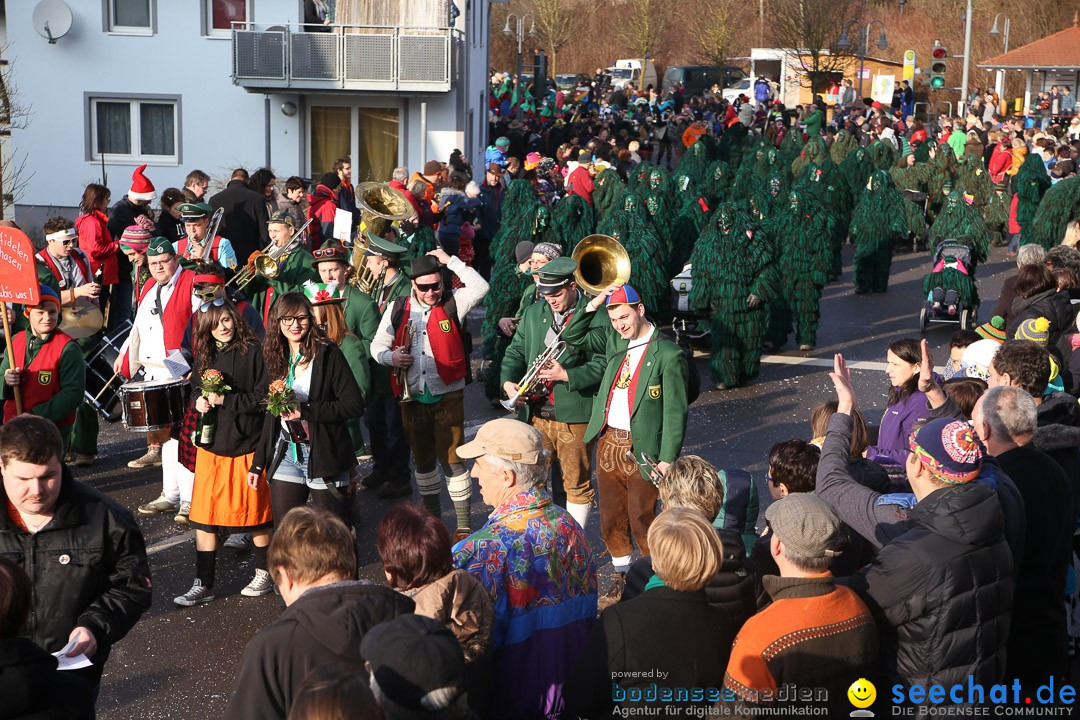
(141, 187)
(876, 105)
(625, 295)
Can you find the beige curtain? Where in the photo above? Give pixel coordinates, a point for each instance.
(394, 13)
(330, 129)
(378, 145)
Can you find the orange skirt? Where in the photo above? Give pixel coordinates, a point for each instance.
(222, 498)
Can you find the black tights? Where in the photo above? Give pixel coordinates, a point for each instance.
(284, 496)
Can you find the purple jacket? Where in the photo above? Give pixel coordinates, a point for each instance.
(896, 425)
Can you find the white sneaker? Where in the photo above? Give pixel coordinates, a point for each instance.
(237, 541)
(181, 517)
(197, 595)
(261, 584)
(161, 504)
(152, 458)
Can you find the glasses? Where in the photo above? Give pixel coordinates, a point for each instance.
(325, 252)
(433, 287)
(215, 302)
(289, 321)
(65, 243)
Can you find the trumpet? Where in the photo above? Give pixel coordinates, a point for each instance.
(401, 375)
(648, 464)
(529, 383)
(267, 262)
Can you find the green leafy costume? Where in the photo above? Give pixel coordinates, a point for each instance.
(827, 185)
(661, 206)
(717, 184)
(606, 192)
(800, 231)
(876, 223)
(1031, 185)
(814, 152)
(648, 262)
(766, 198)
(694, 162)
(856, 170)
(734, 279)
(882, 155)
(572, 219)
(688, 224)
(1059, 207)
(961, 221)
(843, 144)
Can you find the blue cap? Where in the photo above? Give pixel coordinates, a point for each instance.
(625, 295)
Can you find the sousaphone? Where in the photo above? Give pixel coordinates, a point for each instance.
(602, 261)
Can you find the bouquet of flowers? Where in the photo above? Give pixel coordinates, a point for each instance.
(213, 383)
(280, 398)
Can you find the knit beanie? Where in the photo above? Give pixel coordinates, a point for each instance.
(948, 449)
(993, 330)
(1036, 329)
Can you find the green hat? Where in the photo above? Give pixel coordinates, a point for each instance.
(194, 211)
(381, 247)
(556, 275)
(323, 293)
(159, 246)
(331, 251)
(281, 217)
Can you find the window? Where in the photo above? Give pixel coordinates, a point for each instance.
(133, 17)
(219, 15)
(134, 129)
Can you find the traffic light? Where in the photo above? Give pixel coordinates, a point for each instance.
(939, 55)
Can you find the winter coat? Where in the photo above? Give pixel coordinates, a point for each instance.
(324, 625)
(296, 212)
(896, 425)
(244, 220)
(732, 590)
(1058, 435)
(99, 245)
(943, 591)
(33, 689)
(1038, 639)
(105, 583)
(1008, 294)
(1000, 162)
(490, 212)
(580, 182)
(1054, 305)
(240, 420)
(322, 206)
(454, 206)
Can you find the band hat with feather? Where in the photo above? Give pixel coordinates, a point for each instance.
(381, 247)
(194, 211)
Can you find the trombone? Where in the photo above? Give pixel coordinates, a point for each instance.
(528, 384)
(211, 233)
(267, 262)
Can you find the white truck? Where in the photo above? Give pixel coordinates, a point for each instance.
(641, 72)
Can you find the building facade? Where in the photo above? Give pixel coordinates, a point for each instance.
(220, 84)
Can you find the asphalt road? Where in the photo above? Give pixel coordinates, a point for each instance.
(180, 662)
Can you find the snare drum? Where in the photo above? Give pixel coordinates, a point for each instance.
(153, 404)
(99, 373)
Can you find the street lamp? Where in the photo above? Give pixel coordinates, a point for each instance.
(864, 43)
(519, 33)
(999, 80)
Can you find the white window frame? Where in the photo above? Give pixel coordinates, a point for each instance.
(112, 28)
(209, 31)
(135, 157)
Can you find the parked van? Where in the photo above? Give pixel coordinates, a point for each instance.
(641, 73)
(696, 79)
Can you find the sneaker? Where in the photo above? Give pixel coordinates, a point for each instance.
(182, 514)
(83, 460)
(806, 347)
(261, 584)
(237, 541)
(161, 505)
(197, 595)
(152, 458)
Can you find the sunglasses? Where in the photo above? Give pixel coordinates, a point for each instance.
(325, 252)
(289, 321)
(65, 243)
(216, 302)
(424, 287)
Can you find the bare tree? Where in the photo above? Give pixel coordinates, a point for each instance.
(13, 116)
(640, 24)
(809, 30)
(714, 26)
(558, 23)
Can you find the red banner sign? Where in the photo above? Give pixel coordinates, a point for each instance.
(18, 273)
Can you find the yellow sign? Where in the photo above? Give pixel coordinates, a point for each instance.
(909, 65)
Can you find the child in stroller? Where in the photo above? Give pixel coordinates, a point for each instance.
(951, 295)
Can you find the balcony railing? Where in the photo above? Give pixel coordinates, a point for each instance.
(350, 57)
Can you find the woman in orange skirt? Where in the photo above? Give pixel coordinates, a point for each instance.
(224, 498)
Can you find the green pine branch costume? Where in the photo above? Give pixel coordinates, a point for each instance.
(961, 222)
(882, 155)
(717, 184)
(766, 198)
(733, 260)
(661, 206)
(826, 184)
(814, 152)
(856, 170)
(1031, 185)
(1059, 207)
(572, 220)
(648, 262)
(694, 162)
(607, 190)
(875, 225)
(843, 144)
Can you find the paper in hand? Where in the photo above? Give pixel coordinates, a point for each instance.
(175, 363)
(71, 663)
(343, 225)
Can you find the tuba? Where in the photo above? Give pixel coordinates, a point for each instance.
(380, 207)
(602, 261)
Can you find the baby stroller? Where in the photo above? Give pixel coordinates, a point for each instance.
(951, 296)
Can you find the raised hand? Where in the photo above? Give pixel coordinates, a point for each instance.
(841, 378)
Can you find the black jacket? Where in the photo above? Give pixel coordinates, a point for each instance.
(1038, 638)
(31, 688)
(1052, 304)
(1058, 435)
(241, 419)
(335, 397)
(943, 591)
(88, 566)
(490, 211)
(244, 222)
(324, 625)
(732, 590)
(661, 629)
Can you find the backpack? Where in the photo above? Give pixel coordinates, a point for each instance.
(450, 306)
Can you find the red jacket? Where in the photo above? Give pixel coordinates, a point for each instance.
(96, 241)
(580, 183)
(322, 205)
(412, 198)
(1000, 161)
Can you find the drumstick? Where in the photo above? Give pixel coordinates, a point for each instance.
(106, 387)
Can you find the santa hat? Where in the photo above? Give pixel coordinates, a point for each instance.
(141, 187)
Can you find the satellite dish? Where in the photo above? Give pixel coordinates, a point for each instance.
(52, 19)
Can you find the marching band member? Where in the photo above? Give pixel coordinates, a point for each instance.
(161, 320)
(298, 354)
(133, 243)
(559, 408)
(195, 246)
(641, 407)
(224, 498)
(294, 268)
(434, 368)
(69, 271)
(331, 261)
(49, 368)
(389, 448)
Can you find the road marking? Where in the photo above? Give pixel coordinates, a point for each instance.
(811, 361)
(166, 544)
